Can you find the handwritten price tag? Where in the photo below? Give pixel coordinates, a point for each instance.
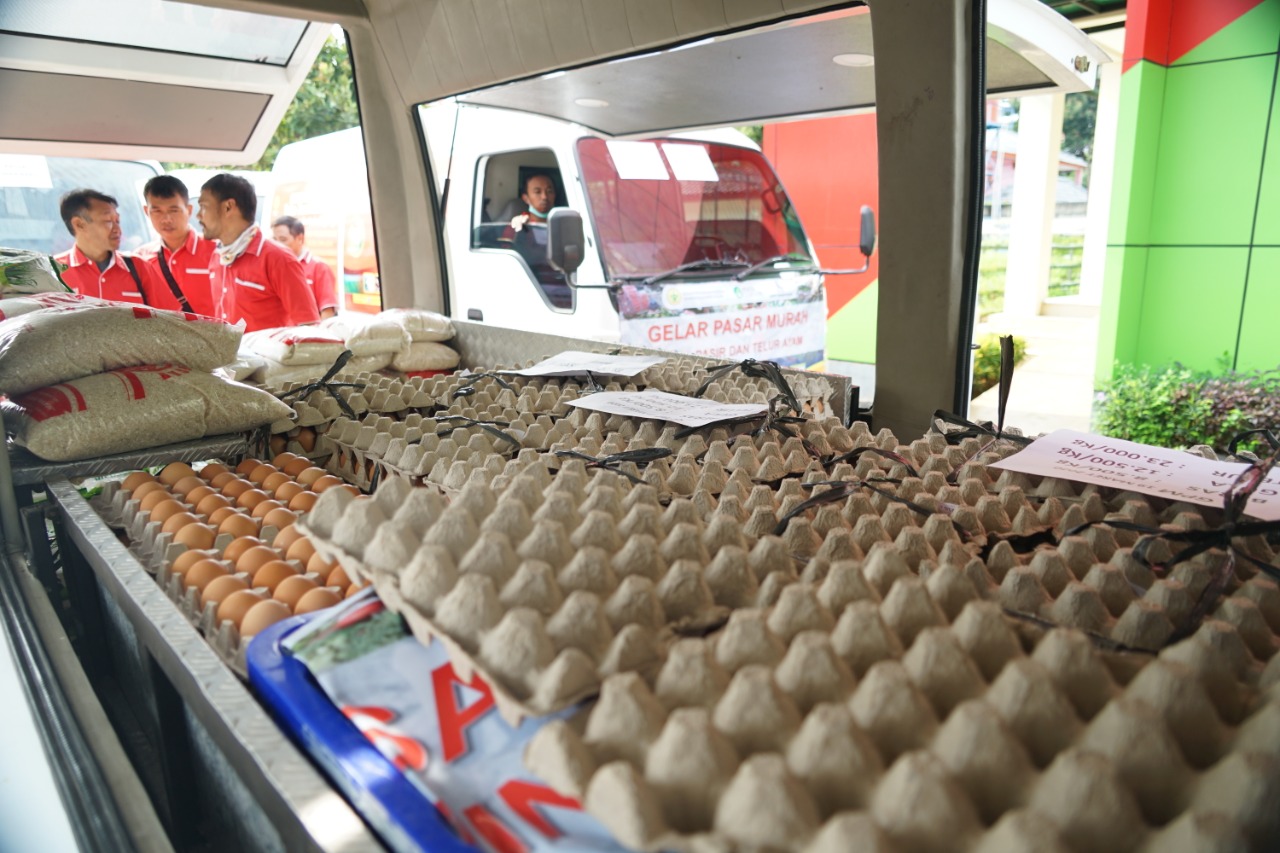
(1155, 471)
(661, 406)
(573, 363)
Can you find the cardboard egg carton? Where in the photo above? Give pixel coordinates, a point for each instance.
(380, 394)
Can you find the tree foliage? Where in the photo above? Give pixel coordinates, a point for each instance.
(1079, 115)
(326, 102)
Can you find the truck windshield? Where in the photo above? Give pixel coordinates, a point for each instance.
(658, 205)
(31, 187)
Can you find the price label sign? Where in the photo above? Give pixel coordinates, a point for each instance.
(574, 363)
(661, 406)
(1156, 471)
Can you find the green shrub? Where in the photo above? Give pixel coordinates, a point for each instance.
(1176, 406)
(986, 361)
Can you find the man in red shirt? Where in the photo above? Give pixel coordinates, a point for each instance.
(292, 234)
(252, 278)
(95, 264)
(180, 257)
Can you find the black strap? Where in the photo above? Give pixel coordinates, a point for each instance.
(173, 285)
(137, 279)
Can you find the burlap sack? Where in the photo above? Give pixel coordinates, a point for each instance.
(82, 338)
(133, 409)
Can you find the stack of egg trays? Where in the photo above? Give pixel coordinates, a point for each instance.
(156, 552)
(381, 395)
(879, 574)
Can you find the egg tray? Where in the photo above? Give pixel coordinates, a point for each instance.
(381, 394)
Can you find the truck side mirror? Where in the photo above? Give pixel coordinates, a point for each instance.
(867, 239)
(565, 240)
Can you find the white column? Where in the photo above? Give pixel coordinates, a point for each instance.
(1101, 174)
(1034, 182)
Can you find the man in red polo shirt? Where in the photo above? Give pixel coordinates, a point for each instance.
(252, 278)
(292, 234)
(95, 264)
(180, 257)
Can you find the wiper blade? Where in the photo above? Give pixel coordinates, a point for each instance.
(701, 264)
(775, 259)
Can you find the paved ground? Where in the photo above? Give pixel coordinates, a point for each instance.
(1052, 389)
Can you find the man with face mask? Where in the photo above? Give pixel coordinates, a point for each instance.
(252, 277)
(95, 264)
(539, 196)
(180, 256)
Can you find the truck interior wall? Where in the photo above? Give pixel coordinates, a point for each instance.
(924, 123)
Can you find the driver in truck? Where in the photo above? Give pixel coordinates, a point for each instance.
(95, 264)
(539, 196)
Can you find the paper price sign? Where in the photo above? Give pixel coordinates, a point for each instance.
(1155, 471)
(661, 406)
(574, 363)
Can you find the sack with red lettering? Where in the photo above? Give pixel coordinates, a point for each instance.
(16, 306)
(83, 337)
(425, 355)
(295, 346)
(367, 334)
(420, 324)
(132, 409)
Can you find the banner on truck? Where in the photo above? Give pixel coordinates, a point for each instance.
(728, 320)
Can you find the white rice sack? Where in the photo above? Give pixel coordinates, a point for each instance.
(245, 365)
(369, 363)
(58, 344)
(275, 375)
(425, 355)
(421, 325)
(132, 409)
(29, 272)
(367, 334)
(16, 306)
(296, 346)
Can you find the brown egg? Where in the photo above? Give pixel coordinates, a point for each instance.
(237, 604)
(303, 501)
(284, 458)
(150, 499)
(261, 508)
(213, 469)
(302, 551)
(278, 443)
(328, 481)
(175, 471)
(167, 509)
(255, 558)
(221, 514)
(288, 490)
(219, 588)
(354, 588)
(187, 559)
(261, 617)
(338, 577)
(293, 588)
(238, 546)
(246, 466)
(212, 501)
(177, 521)
(199, 493)
(203, 572)
(296, 466)
(145, 488)
(320, 566)
(220, 480)
(279, 518)
(274, 481)
(250, 498)
(137, 478)
(196, 536)
(186, 484)
(307, 439)
(259, 475)
(270, 574)
(238, 525)
(237, 487)
(316, 599)
(309, 475)
(286, 537)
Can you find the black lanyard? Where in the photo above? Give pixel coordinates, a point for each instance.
(173, 285)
